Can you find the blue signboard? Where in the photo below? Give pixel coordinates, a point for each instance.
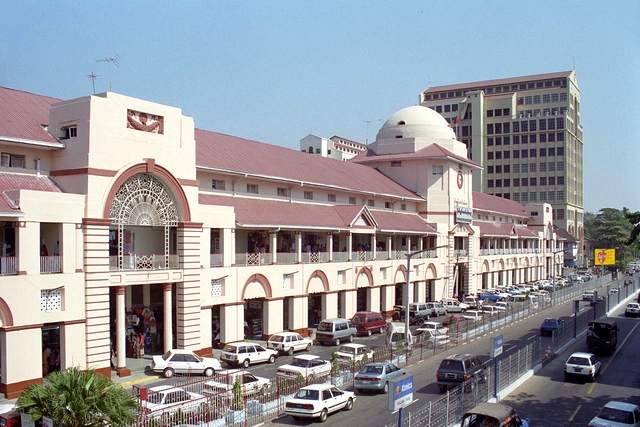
(401, 393)
(496, 346)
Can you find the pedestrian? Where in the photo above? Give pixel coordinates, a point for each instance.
(56, 249)
(113, 355)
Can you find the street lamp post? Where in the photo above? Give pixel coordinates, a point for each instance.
(553, 272)
(405, 297)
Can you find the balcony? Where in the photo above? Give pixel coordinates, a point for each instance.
(141, 262)
(8, 265)
(50, 264)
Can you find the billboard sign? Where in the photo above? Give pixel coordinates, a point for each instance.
(401, 393)
(605, 256)
(464, 215)
(496, 346)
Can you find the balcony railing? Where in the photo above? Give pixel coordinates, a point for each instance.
(459, 252)
(8, 265)
(50, 264)
(216, 260)
(144, 262)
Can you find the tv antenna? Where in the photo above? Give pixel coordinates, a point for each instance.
(368, 122)
(110, 60)
(93, 77)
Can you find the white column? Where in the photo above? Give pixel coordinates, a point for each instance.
(121, 329)
(349, 245)
(274, 247)
(274, 317)
(389, 241)
(330, 246)
(374, 244)
(329, 305)
(168, 318)
(298, 247)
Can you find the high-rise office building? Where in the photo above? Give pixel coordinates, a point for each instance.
(526, 134)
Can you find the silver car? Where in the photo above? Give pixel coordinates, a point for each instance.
(376, 376)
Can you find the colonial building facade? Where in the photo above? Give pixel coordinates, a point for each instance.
(121, 221)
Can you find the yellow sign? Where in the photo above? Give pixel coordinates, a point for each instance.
(605, 256)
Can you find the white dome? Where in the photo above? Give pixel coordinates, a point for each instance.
(416, 122)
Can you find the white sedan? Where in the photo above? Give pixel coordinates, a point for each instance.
(318, 401)
(184, 362)
(307, 365)
(288, 342)
(165, 399)
(354, 353)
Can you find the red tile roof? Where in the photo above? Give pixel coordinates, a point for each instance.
(433, 151)
(489, 203)
(22, 115)
(250, 212)
(496, 229)
(238, 155)
(524, 231)
(14, 181)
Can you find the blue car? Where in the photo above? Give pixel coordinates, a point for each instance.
(549, 325)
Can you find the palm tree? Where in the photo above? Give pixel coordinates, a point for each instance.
(75, 398)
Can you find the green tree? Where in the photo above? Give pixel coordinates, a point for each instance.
(75, 398)
(611, 230)
(237, 403)
(634, 219)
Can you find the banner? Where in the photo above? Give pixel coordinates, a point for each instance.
(604, 256)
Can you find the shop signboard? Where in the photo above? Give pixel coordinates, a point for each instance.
(401, 393)
(464, 215)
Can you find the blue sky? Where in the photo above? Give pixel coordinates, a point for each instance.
(276, 71)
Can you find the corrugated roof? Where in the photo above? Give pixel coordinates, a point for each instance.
(524, 231)
(253, 213)
(489, 203)
(13, 182)
(237, 155)
(499, 82)
(433, 151)
(496, 229)
(22, 115)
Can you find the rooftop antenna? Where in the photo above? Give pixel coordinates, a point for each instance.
(110, 60)
(93, 77)
(368, 122)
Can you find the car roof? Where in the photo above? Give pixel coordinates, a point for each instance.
(459, 356)
(624, 406)
(432, 323)
(285, 333)
(495, 410)
(160, 388)
(379, 364)
(307, 356)
(315, 387)
(581, 354)
(353, 345)
(180, 351)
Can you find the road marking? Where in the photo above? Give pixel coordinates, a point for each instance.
(591, 388)
(532, 337)
(574, 413)
(618, 349)
(141, 380)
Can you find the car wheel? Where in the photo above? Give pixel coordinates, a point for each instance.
(420, 321)
(309, 347)
(246, 363)
(368, 332)
(208, 372)
(349, 405)
(350, 338)
(385, 389)
(381, 330)
(272, 358)
(337, 341)
(323, 416)
(168, 373)
(592, 377)
(290, 351)
(429, 345)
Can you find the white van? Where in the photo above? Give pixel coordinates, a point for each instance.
(395, 334)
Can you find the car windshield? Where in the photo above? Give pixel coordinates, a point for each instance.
(307, 394)
(576, 360)
(277, 338)
(359, 318)
(454, 365)
(616, 415)
(549, 322)
(167, 355)
(346, 349)
(325, 326)
(302, 363)
(372, 370)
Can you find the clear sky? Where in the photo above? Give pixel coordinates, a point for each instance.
(275, 71)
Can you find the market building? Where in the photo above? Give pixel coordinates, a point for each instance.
(123, 223)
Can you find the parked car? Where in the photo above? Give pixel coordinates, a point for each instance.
(288, 342)
(632, 310)
(501, 305)
(308, 365)
(458, 368)
(368, 322)
(474, 315)
(396, 335)
(376, 376)
(419, 313)
(398, 313)
(354, 352)
(582, 365)
(244, 353)
(490, 310)
(334, 331)
(454, 306)
(184, 362)
(455, 321)
(550, 325)
(433, 326)
(489, 297)
(437, 309)
(222, 384)
(431, 338)
(166, 399)
(493, 414)
(318, 401)
(617, 414)
(472, 302)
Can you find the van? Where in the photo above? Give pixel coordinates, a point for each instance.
(395, 334)
(368, 322)
(418, 313)
(335, 331)
(493, 414)
(602, 335)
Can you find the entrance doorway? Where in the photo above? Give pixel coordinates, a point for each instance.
(253, 317)
(361, 304)
(315, 310)
(50, 349)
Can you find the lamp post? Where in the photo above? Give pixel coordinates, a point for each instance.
(553, 272)
(405, 297)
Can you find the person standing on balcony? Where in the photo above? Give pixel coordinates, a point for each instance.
(43, 249)
(56, 249)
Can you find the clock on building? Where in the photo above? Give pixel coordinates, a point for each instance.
(460, 179)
